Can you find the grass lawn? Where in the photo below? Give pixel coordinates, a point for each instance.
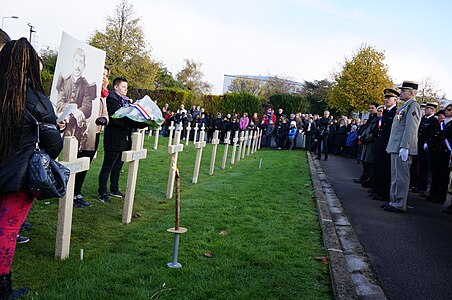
(260, 226)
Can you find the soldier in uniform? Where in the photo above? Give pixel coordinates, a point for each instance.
(75, 89)
(323, 129)
(368, 140)
(402, 145)
(426, 129)
(382, 172)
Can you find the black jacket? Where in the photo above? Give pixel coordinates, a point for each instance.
(13, 170)
(384, 131)
(118, 132)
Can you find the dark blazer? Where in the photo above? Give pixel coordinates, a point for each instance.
(13, 170)
(118, 132)
(384, 131)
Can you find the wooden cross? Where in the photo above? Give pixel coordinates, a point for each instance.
(227, 141)
(174, 151)
(199, 145)
(241, 139)
(195, 135)
(215, 142)
(187, 136)
(253, 141)
(133, 157)
(256, 139)
(250, 141)
(234, 146)
(260, 139)
(150, 133)
(244, 144)
(170, 136)
(156, 140)
(66, 203)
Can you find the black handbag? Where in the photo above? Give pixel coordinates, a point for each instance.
(45, 175)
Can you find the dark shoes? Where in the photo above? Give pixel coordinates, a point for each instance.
(103, 198)
(366, 184)
(6, 289)
(22, 240)
(25, 226)
(117, 194)
(391, 208)
(358, 180)
(79, 202)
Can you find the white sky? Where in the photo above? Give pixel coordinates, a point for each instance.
(300, 39)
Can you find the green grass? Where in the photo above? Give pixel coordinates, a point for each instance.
(272, 235)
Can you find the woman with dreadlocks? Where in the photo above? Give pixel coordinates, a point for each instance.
(21, 95)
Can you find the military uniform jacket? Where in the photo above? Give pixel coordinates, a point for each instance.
(404, 128)
(384, 130)
(367, 154)
(427, 128)
(79, 92)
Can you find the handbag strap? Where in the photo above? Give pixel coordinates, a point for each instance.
(37, 129)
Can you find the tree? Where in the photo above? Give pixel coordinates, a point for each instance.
(49, 58)
(165, 79)
(361, 81)
(247, 85)
(316, 93)
(124, 42)
(191, 78)
(278, 85)
(429, 91)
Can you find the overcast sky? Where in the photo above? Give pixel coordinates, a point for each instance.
(300, 39)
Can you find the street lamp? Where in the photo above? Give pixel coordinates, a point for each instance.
(11, 17)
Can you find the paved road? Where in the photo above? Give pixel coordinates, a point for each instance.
(410, 253)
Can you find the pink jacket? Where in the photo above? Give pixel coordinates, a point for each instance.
(244, 122)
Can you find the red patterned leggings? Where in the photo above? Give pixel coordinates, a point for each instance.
(14, 208)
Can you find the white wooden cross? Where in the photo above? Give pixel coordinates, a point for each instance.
(170, 136)
(187, 136)
(156, 139)
(244, 144)
(133, 157)
(250, 141)
(260, 139)
(199, 145)
(234, 147)
(227, 141)
(241, 139)
(215, 142)
(253, 139)
(195, 131)
(150, 132)
(256, 139)
(174, 151)
(66, 203)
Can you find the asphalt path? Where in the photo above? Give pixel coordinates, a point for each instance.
(411, 253)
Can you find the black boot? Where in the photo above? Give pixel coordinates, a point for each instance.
(6, 290)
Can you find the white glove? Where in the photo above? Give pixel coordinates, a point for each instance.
(425, 147)
(403, 153)
(79, 116)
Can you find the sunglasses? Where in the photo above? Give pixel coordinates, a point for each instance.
(449, 109)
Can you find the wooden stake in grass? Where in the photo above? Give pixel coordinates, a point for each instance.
(170, 136)
(215, 142)
(250, 141)
(253, 139)
(234, 146)
(177, 230)
(227, 141)
(133, 157)
(241, 139)
(64, 227)
(260, 140)
(199, 145)
(256, 139)
(174, 151)
(156, 140)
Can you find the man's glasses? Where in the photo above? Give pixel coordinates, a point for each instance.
(449, 109)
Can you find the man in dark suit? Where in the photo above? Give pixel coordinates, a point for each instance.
(382, 162)
(426, 130)
(117, 138)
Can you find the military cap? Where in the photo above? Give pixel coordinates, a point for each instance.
(441, 112)
(409, 85)
(423, 105)
(431, 105)
(391, 93)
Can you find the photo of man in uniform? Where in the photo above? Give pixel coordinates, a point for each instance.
(75, 89)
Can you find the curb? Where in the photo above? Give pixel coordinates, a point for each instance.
(351, 274)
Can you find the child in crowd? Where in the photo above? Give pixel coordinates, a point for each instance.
(352, 136)
(292, 134)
